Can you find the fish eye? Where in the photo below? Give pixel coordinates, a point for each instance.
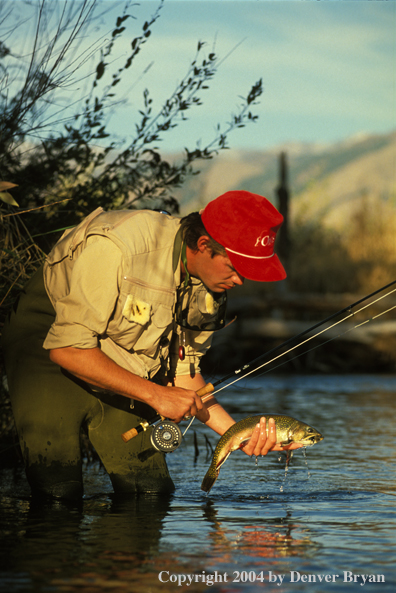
(310, 430)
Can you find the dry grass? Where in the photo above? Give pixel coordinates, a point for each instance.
(19, 259)
(359, 258)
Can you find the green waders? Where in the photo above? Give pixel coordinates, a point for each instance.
(50, 407)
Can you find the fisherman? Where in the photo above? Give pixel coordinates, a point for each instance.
(110, 332)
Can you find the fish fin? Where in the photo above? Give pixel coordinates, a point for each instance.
(218, 466)
(213, 473)
(209, 479)
(285, 443)
(243, 442)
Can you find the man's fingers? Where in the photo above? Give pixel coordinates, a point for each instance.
(194, 407)
(256, 442)
(267, 442)
(177, 403)
(251, 445)
(259, 443)
(198, 403)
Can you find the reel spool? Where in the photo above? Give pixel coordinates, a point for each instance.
(166, 436)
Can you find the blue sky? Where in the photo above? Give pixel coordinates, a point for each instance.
(328, 68)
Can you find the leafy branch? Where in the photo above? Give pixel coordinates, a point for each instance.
(71, 171)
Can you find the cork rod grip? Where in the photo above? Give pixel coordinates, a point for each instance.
(208, 388)
(130, 434)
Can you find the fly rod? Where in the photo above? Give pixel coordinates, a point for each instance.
(347, 309)
(210, 388)
(310, 338)
(327, 341)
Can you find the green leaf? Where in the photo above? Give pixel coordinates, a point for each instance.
(121, 19)
(118, 31)
(8, 199)
(100, 70)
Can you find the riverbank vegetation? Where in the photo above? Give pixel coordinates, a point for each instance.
(358, 258)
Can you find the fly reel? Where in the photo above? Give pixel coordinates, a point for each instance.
(166, 436)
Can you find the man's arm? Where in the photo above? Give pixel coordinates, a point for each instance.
(94, 367)
(216, 417)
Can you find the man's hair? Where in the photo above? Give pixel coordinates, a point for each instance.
(193, 228)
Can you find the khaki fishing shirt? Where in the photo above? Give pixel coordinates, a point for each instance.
(113, 283)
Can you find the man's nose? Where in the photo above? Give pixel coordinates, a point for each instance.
(238, 279)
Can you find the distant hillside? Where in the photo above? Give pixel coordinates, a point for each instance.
(326, 183)
(342, 208)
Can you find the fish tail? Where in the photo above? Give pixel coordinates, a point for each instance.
(209, 479)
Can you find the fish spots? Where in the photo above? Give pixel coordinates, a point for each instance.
(288, 430)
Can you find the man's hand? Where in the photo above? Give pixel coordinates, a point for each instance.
(176, 402)
(259, 443)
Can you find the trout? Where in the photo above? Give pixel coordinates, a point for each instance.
(288, 430)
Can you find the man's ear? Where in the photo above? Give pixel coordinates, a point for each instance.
(203, 243)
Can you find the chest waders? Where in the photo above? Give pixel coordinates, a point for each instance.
(51, 408)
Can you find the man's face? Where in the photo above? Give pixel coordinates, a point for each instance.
(217, 272)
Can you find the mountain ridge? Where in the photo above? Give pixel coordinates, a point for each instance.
(326, 182)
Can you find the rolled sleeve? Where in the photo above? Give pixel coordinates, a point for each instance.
(83, 314)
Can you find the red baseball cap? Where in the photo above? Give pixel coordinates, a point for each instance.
(246, 224)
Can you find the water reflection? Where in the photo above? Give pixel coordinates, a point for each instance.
(337, 516)
(91, 540)
(270, 538)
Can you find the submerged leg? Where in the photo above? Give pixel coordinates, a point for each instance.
(47, 407)
(134, 467)
(48, 426)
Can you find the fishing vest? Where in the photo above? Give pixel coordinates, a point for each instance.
(141, 331)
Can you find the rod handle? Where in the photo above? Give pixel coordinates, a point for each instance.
(208, 388)
(129, 434)
(133, 432)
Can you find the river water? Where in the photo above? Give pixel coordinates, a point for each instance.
(331, 518)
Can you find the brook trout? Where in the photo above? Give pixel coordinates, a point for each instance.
(288, 430)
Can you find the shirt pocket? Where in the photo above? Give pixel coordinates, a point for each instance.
(144, 313)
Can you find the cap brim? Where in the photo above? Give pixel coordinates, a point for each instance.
(260, 270)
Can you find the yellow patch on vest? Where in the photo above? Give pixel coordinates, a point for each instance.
(136, 310)
(209, 303)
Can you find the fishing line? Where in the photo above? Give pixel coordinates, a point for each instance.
(302, 343)
(191, 421)
(326, 342)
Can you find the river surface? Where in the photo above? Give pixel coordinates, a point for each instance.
(330, 518)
